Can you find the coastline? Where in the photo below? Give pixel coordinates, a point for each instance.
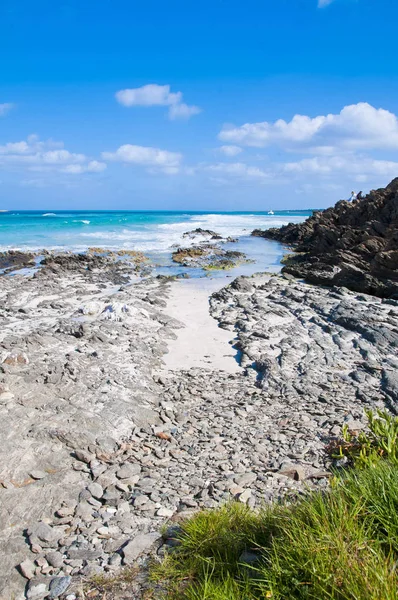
(113, 425)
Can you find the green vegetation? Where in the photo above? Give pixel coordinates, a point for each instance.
(337, 545)
(368, 448)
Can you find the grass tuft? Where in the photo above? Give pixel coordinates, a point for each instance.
(335, 545)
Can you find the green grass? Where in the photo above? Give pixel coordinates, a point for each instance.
(340, 545)
(368, 448)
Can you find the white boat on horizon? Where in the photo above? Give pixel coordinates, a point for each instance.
(271, 212)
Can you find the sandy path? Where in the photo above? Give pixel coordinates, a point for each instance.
(201, 343)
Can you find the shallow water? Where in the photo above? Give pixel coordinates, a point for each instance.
(154, 232)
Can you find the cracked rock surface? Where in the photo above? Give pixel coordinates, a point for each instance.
(99, 450)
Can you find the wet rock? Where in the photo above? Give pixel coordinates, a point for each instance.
(208, 257)
(199, 232)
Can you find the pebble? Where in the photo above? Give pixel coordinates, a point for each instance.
(164, 512)
(59, 585)
(128, 470)
(27, 568)
(245, 496)
(37, 474)
(135, 547)
(55, 559)
(36, 591)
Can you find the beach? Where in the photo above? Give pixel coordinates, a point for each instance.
(136, 390)
(127, 402)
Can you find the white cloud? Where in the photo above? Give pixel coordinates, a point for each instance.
(37, 155)
(157, 95)
(183, 111)
(323, 3)
(152, 158)
(239, 170)
(321, 172)
(357, 167)
(94, 166)
(357, 126)
(230, 150)
(148, 95)
(5, 108)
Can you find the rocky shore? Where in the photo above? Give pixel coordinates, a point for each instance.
(353, 244)
(101, 445)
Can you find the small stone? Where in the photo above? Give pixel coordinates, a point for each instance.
(84, 511)
(41, 562)
(59, 585)
(235, 490)
(244, 496)
(245, 478)
(55, 559)
(37, 474)
(108, 531)
(95, 490)
(164, 512)
(65, 511)
(84, 456)
(141, 543)
(128, 470)
(111, 496)
(295, 472)
(141, 500)
(27, 569)
(188, 501)
(36, 591)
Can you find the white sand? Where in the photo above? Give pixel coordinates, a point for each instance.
(201, 343)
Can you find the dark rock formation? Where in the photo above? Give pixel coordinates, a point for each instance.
(203, 233)
(15, 259)
(353, 244)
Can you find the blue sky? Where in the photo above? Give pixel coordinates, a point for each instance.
(215, 106)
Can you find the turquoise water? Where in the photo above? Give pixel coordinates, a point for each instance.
(155, 233)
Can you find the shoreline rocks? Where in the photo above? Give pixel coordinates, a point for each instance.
(353, 244)
(98, 451)
(208, 257)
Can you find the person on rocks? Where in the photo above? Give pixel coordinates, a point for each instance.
(353, 196)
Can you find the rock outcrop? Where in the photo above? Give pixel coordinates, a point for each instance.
(208, 257)
(353, 244)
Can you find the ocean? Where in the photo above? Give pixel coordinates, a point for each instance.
(155, 233)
